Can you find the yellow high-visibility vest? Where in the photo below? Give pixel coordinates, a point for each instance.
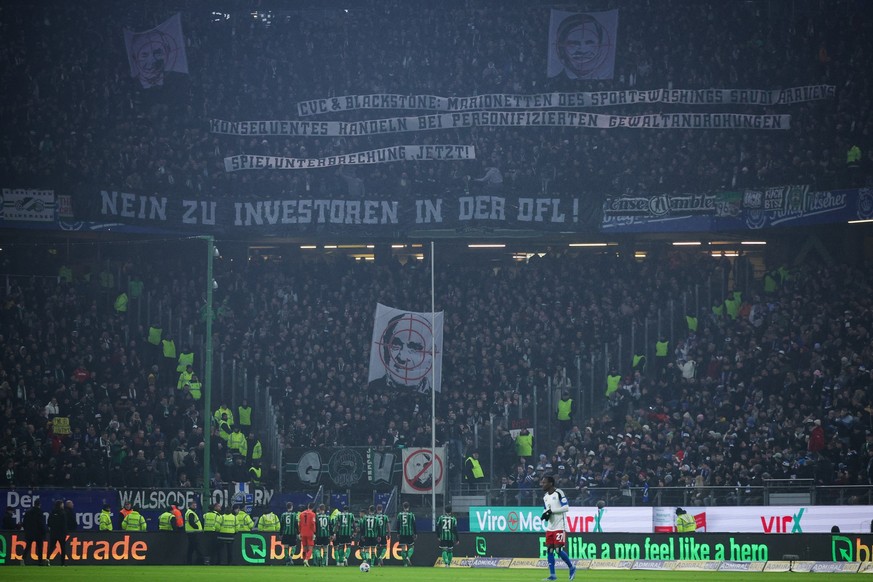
(565, 407)
(478, 473)
(524, 445)
(612, 383)
(169, 348)
(121, 303)
(198, 525)
(165, 521)
(211, 521)
(245, 415)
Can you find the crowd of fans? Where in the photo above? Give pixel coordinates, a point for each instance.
(75, 120)
(777, 392)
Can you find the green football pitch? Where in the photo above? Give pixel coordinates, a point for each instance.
(387, 574)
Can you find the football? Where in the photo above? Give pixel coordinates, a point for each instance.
(365, 567)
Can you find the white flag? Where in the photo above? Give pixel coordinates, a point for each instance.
(424, 470)
(582, 44)
(154, 53)
(402, 352)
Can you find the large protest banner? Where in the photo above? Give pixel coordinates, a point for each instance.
(371, 215)
(458, 212)
(342, 468)
(380, 156)
(461, 120)
(711, 96)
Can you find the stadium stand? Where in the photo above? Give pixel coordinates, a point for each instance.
(773, 386)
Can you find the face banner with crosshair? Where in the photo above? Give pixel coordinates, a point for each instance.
(406, 350)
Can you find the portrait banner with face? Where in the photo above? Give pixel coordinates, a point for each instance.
(582, 44)
(153, 53)
(402, 353)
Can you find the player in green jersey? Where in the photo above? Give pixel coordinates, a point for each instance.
(288, 521)
(406, 533)
(368, 535)
(343, 530)
(447, 530)
(383, 527)
(323, 536)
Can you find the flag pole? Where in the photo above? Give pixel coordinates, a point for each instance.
(207, 380)
(433, 362)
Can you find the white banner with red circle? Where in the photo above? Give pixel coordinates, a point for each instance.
(424, 469)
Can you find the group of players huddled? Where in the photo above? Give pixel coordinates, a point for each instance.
(312, 533)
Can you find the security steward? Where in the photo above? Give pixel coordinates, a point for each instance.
(226, 535)
(167, 521)
(244, 521)
(211, 525)
(685, 522)
(133, 521)
(193, 531)
(268, 523)
(105, 518)
(566, 408)
(473, 473)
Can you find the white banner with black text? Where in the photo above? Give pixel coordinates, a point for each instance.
(400, 153)
(711, 96)
(470, 119)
